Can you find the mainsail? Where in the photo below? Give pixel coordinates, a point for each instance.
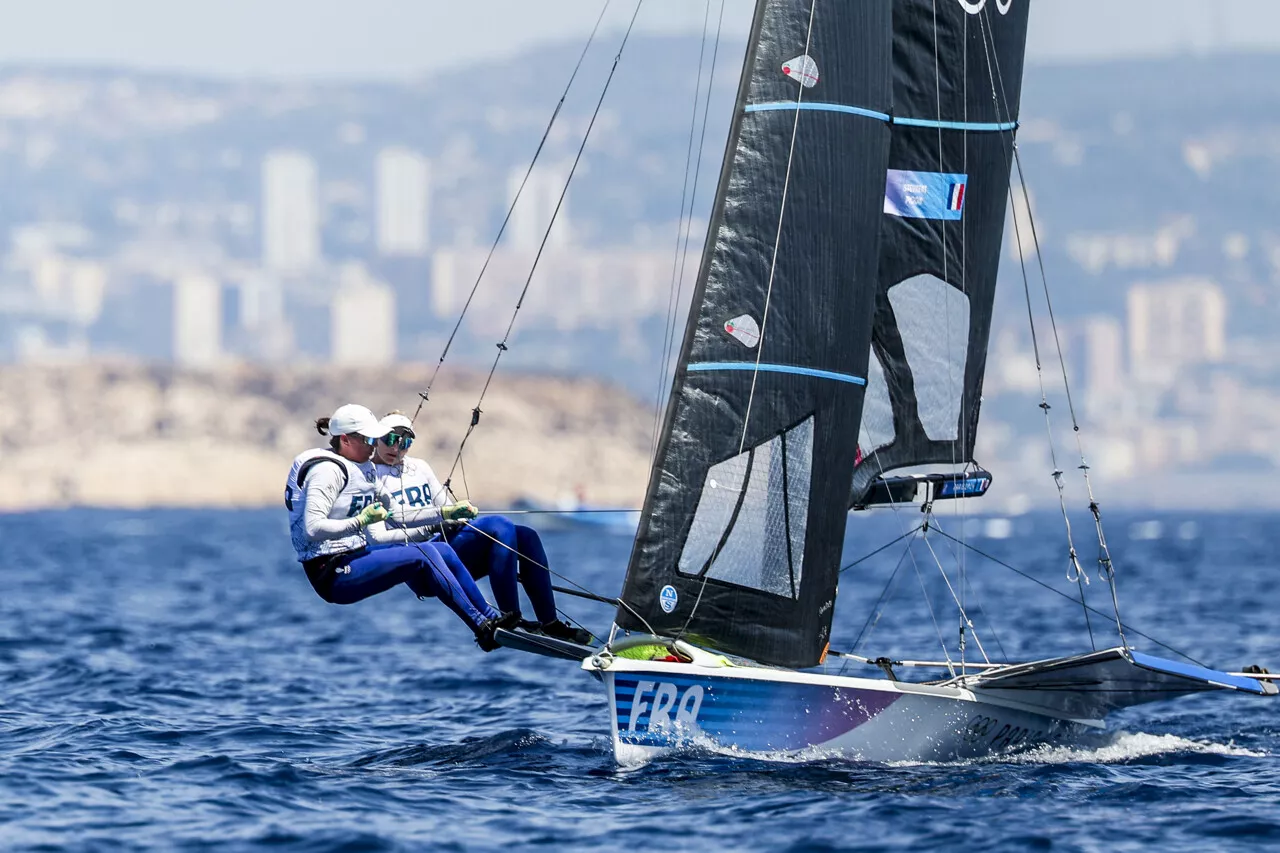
(740, 540)
(957, 78)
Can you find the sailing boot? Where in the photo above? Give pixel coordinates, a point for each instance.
(563, 631)
(484, 635)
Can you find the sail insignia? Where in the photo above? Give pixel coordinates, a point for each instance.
(803, 70)
(743, 329)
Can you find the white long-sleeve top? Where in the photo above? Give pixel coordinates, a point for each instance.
(323, 512)
(412, 493)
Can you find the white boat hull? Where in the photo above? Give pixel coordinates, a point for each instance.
(783, 714)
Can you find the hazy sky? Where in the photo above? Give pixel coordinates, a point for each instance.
(399, 38)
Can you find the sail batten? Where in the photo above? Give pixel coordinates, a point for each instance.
(777, 368)
(935, 123)
(740, 538)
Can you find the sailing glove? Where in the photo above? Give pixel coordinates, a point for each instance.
(459, 511)
(371, 513)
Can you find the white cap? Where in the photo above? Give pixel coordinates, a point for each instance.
(400, 422)
(351, 418)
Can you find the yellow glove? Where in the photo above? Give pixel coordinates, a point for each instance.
(459, 511)
(371, 513)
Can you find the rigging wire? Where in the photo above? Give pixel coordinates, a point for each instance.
(1132, 630)
(877, 611)
(929, 604)
(746, 417)
(423, 395)
(681, 255)
(888, 544)
(502, 345)
(1108, 567)
(965, 620)
(990, 623)
(582, 591)
(1104, 559)
(946, 302)
(1075, 573)
(777, 240)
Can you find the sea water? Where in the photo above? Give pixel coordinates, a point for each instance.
(169, 681)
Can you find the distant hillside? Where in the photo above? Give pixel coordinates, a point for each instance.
(133, 436)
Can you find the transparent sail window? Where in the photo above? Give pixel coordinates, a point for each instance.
(933, 320)
(877, 411)
(753, 535)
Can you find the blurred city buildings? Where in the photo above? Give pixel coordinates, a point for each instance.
(208, 224)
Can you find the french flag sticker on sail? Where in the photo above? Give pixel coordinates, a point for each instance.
(924, 195)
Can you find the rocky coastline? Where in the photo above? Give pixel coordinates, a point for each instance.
(132, 435)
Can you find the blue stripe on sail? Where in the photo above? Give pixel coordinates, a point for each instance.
(816, 105)
(976, 126)
(972, 126)
(777, 368)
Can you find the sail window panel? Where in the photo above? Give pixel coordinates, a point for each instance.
(764, 549)
(933, 320)
(799, 471)
(877, 410)
(719, 498)
(756, 544)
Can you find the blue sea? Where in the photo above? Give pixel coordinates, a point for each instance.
(169, 681)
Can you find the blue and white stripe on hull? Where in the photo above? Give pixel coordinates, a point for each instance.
(743, 710)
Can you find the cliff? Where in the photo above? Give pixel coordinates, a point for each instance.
(125, 435)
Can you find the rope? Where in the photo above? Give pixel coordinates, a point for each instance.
(583, 591)
(877, 610)
(777, 242)
(423, 395)
(1074, 573)
(682, 231)
(866, 557)
(1108, 568)
(1056, 591)
(502, 345)
(965, 621)
(764, 320)
(554, 511)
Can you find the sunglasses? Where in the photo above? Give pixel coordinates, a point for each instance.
(397, 439)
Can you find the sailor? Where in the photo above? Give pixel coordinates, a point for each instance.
(336, 523)
(491, 545)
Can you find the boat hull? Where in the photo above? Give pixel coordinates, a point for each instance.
(781, 714)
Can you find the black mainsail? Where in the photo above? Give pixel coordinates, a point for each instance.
(739, 542)
(957, 78)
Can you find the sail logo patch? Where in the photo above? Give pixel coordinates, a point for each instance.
(973, 7)
(668, 598)
(925, 195)
(803, 70)
(744, 329)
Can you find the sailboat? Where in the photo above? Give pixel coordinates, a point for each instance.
(838, 331)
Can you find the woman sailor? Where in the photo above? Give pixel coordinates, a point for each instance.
(492, 545)
(348, 554)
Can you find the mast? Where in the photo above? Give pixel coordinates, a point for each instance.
(740, 537)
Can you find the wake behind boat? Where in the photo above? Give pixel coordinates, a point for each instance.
(838, 331)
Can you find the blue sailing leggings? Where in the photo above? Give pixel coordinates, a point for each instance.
(516, 555)
(432, 571)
